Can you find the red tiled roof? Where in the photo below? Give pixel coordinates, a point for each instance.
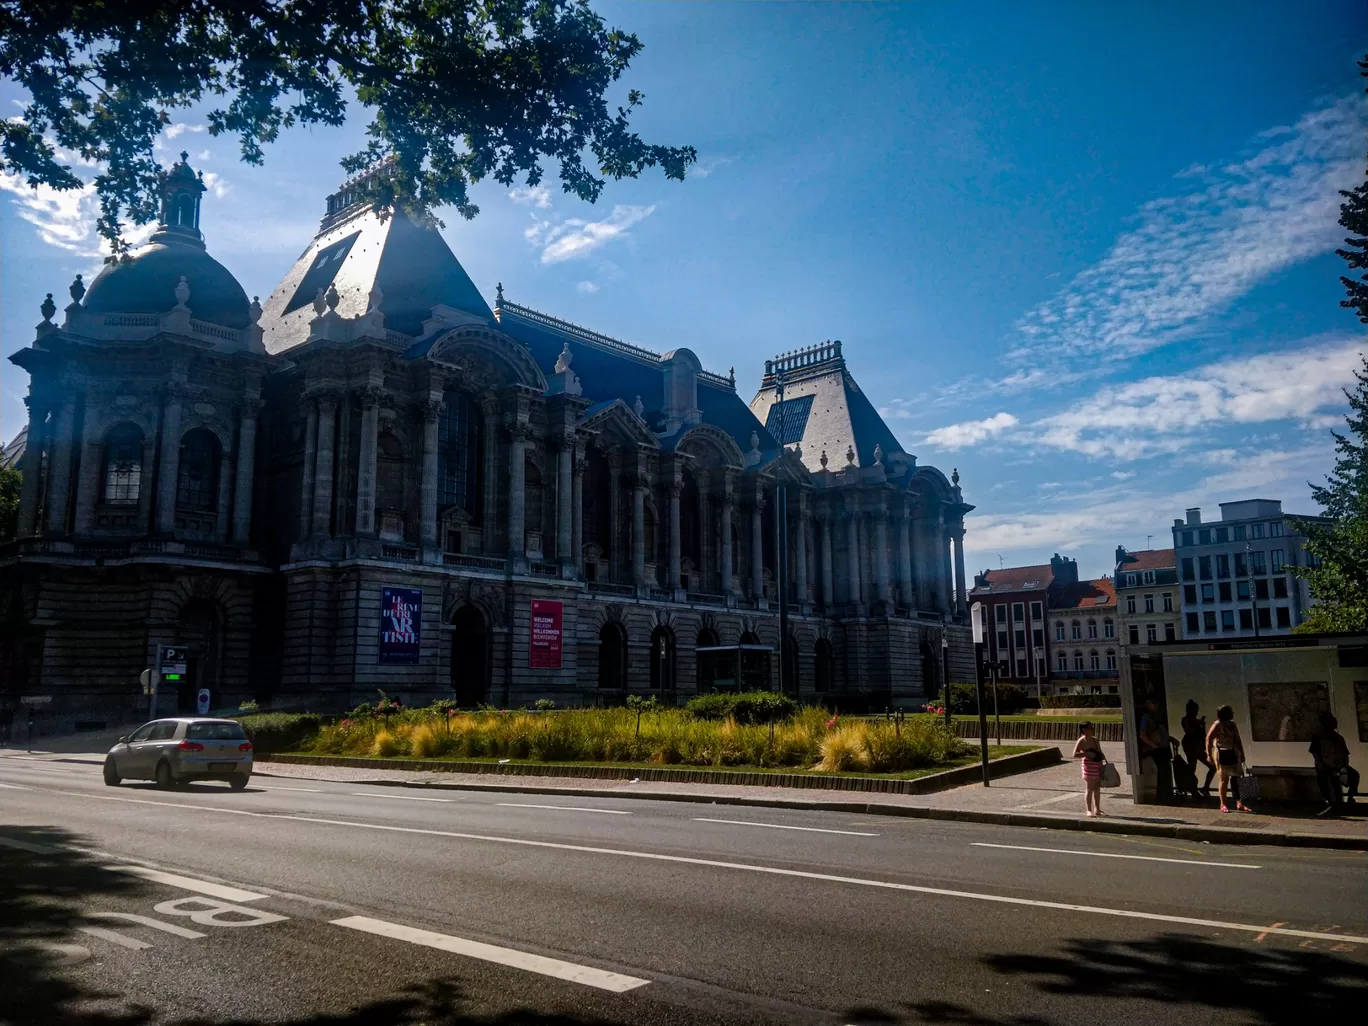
(1149, 559)
(1084, 595)
(1016, 578)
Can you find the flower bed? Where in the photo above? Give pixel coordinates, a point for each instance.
(810, 739)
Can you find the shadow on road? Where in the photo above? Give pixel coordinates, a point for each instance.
(44, 891)
(1208, 980)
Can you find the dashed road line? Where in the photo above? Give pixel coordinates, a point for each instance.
(784, 826)
(563, 808)
(400, 797)
(1114, 855)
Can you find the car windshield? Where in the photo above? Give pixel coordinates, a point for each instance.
(215, 731)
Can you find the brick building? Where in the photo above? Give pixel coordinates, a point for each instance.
(375, 480)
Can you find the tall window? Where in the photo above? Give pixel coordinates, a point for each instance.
(389, 472)
(1130, 603)
(1092, 628)
(1168, 602)
(1078, 661)
(197, 479)
(460, 453)
(533, 498)
(1059, 630)
(1149, 603)
(1149, 576)
(1037, 611)
(1111, 659)
(1108, 629)
(821, 677)
(1151, 633)
(1076, 630)
(123, 465)
(1063, 662)
(598, 501)
(1094, 662)
(1134, 631)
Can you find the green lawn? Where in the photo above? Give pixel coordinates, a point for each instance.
(994, 752)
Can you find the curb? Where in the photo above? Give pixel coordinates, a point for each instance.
(932, 782)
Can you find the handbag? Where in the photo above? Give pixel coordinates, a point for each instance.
(1227, 756)
(1111, 776)
(1246, 787)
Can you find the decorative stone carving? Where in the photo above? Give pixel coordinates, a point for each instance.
(254, 311)
(823, 459)
(850, 455)
(78, 289)
(48, 309)
(639, 408)
(331, 298)
(319, 304)
(183, 293)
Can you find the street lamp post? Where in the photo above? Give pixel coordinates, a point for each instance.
(945, 667)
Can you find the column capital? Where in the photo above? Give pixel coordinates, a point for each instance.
(674, 489)
(371, 397)
(432, 410)
(518, 431)
(250, 406)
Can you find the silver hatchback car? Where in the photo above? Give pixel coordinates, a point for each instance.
(173, 751)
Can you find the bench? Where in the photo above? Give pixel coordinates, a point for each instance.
(1287, 783)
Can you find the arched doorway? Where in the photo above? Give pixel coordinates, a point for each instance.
(470, 656)
(198, 631)
(662, 659)
(821, 677)
(612, 662)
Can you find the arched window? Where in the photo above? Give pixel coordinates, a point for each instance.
(534, 497)
(662, 659)
(122, 465)
(612, 653)
(1076, 630)
(821, 677)
(460, 453)
(1092, 628)
(1094, 663)
(389, 472)
(1111, 659)
(197, 477)
(1078, 660)
(1059, 630)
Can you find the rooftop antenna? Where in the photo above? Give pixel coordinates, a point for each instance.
(999, 560)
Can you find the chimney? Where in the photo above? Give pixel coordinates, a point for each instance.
(1065, 570)
(1194, 516)
(1120, 554)
(1177, 522)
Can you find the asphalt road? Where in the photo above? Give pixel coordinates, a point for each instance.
(319, 903)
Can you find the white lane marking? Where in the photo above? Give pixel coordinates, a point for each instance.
(187, 883)
(563, 808)
(404, 797)
(273, 787)
(1001, 899)
(156, 924)
(782, 826)
(588, 976)
(37, 849)
(1114, 855)
(15, 787)
(115, 937)
(1050, 801)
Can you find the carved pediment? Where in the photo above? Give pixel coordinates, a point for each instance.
(619, 423)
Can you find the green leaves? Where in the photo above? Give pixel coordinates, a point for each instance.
(459, 91)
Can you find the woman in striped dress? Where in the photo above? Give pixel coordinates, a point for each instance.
(1089, 749)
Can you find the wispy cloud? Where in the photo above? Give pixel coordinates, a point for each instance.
(538, 196)
(1195, 251)
(587, 287)
(705, 166)
(217, 185)
(65, 219)
(1169, 413)
(575, 238)
(178, 128)
(970, 432)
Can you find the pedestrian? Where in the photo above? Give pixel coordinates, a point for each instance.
(1225, 748)
(1194, 744)
(1089, 749)
(1155, 745)
(1330, 753)
(6, 723)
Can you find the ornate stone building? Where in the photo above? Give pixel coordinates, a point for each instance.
(374, 480)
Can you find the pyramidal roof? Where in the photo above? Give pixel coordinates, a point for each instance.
(824, 410)
(355, 251)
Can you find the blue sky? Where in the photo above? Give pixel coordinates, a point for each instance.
(1083, 253)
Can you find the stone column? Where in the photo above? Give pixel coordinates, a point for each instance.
(565, 506)
(728, 561)
(490, 498)
(88, 486)
(638, 533)
(32, 468)
(223, 511)
(943, 564)
(881, 557)
(246, 468)
(577, 513)
(307, 477)
(961, 596)
(703, 516)
(855, 591)
(906, 590)
(323, 466)
(800, 555)
(758, 545)
(675, 578)
(168, 472)
(365, 461)
(517, 491)
(828, 576)
(428, 486)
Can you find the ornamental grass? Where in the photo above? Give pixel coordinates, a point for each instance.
(810, 739)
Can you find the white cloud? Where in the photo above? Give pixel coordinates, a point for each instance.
(538, 196)
(66, 219)
(216, 184)
(705, 166)
(1167, 413)
(179, 128)
(587, 287)
(970, 432)
(575, 238)
(1195, 251)
(1123, 475)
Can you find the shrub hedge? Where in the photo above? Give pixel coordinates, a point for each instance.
(1080, 701)
(280, 732)
(1012, 698)
(747, 708)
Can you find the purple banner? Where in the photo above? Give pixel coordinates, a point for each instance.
(401, 614)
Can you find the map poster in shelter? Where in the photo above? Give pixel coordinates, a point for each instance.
(401, 614)
(546, 635)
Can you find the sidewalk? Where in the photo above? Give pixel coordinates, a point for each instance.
(1050, 797)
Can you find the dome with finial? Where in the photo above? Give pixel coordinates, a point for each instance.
(146, 280)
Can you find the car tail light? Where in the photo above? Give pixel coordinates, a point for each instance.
(246, 746)
(190, 746)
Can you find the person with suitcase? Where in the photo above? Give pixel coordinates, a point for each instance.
(1089, 749)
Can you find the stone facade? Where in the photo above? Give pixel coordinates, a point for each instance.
(248, 486)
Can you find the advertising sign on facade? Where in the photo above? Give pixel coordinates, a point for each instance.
(401, 614)
(546, 635)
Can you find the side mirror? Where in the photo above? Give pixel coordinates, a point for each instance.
(123, 740)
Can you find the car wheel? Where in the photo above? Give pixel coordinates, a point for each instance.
(164, 778)
(238, 783)
(111, 776)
